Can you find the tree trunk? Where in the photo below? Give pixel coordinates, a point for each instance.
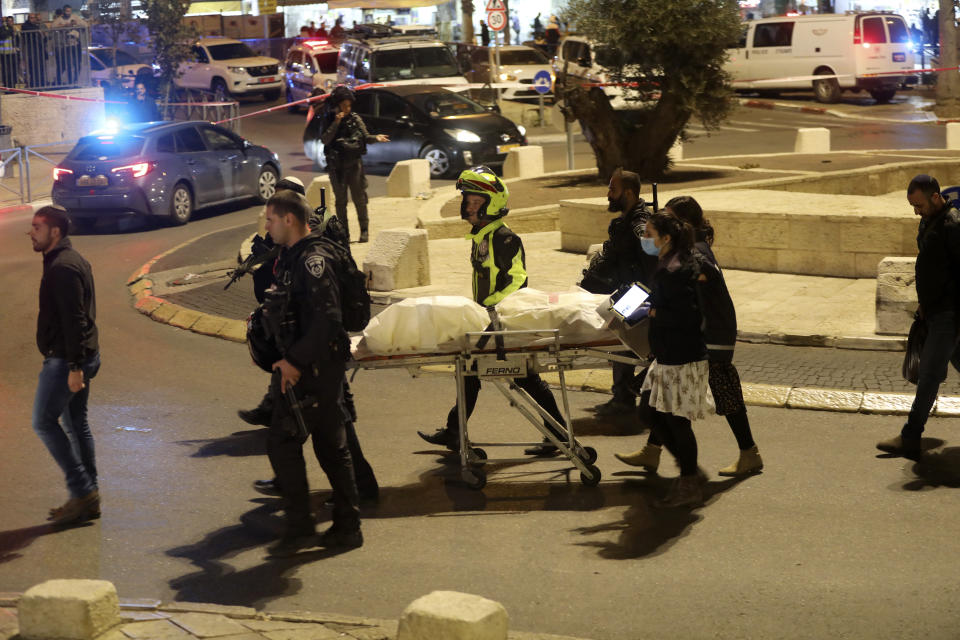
(948, 82)
(467, 6)
(637, 140)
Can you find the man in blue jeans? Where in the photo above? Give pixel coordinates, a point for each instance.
(938, 292)
(67, 338)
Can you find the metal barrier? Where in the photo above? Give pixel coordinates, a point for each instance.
(21, 154)
(199, 104)
(46, 59)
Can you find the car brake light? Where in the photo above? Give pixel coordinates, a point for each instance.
(856, 32)
(137, 170)
(315, 43)
(58, 172)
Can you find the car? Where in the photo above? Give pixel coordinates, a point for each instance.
(577, 56)
(860, 51)
(161, 170)
(310, 64)
(229, 68)
(399, 60)
(518, 63)
(103, 65)
(449, 130)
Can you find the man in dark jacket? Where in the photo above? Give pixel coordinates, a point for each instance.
(938, 292)
(67, 338)
(302, 314)
(345, 140)
(620, 263)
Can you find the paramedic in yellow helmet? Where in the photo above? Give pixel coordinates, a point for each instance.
(499, 269)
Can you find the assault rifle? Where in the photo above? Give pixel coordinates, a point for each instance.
(260, 252)
(301, 433)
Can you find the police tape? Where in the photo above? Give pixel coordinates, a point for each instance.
(60, 96)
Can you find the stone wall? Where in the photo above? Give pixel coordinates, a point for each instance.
(896, 295)
(776, 231)
(37, 120)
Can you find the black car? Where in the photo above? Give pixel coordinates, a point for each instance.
(161, 169)
(450, 130)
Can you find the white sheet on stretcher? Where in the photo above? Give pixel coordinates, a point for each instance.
(423, 325)
(437, 324)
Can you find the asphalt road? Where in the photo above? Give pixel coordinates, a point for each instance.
(830, 541)
(748, 131)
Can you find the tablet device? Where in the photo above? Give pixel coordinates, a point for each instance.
(630, 301)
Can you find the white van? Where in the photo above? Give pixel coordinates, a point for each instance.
(786, 52)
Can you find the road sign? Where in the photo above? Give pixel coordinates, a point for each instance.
(495, 5)
(542, 81)
(496, 20)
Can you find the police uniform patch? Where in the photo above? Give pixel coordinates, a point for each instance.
(314, 265)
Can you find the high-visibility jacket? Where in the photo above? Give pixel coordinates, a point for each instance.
(499, 266)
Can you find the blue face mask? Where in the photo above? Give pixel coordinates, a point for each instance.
(649, 247)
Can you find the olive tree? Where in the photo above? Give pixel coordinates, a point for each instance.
(948, 82)
(670, 55)
(171, 38)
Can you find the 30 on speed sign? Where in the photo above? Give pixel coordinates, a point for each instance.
(497, 20)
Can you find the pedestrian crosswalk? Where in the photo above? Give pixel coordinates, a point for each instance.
(756, 126)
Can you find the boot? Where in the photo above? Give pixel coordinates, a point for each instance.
(648, 457)
(686, 492)
(364, 237)
(443, 437)
(77, 510)
(748, 462)
(906, 447)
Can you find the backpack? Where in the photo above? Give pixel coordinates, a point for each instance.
(354, 298)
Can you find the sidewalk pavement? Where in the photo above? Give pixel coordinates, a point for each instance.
(144, 619)
(772, 308)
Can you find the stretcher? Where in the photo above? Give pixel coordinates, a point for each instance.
(499, 365)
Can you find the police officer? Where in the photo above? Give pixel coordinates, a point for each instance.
(621, 262)
(499, 269)
(302, 315)
(345, 140)
(323, 224)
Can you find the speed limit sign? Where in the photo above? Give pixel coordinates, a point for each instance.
(496, 20)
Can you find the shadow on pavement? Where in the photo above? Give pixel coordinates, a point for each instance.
(646, 530)
(626, 425)
(16, 539)
(219, 583)
(941, 469)
(252, 442)
(136, 223)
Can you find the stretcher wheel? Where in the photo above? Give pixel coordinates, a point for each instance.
(474, 478)
(588, 455)
(589, 481)
(480, 453)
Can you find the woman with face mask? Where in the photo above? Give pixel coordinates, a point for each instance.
(675, 390)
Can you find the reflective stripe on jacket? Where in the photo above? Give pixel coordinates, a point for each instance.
(498, 260)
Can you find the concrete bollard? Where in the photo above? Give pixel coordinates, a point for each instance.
(408, 178)
(313, 191)
(398, 259)
(451, 615)
(953, 135)
(68, 610)
(896, 295)
(815, 140)
(523, 162)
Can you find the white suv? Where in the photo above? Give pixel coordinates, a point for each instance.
(230, 68)
(397, 60)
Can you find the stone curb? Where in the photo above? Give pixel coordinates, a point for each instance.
(813, 398)
(166, 312)
(349, 627)
(787, 106)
